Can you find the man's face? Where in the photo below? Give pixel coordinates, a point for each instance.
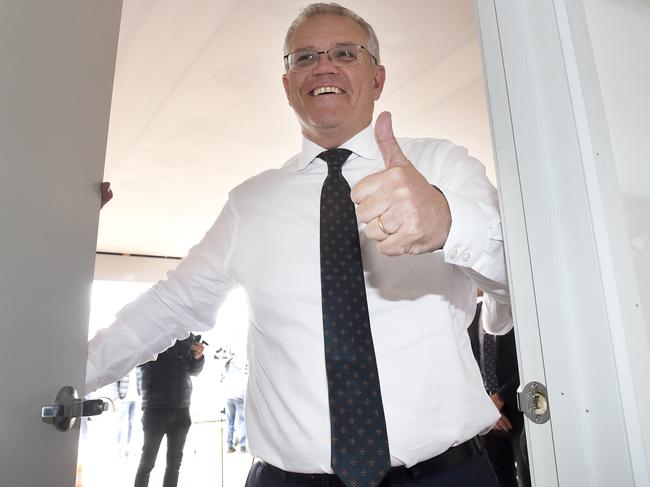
(332, 117)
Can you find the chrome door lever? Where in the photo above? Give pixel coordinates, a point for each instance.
(68, 407)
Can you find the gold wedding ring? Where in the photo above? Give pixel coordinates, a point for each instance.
(382, 228)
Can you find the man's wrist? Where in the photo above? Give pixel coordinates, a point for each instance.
(446, 223)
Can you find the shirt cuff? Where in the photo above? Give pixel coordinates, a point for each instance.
(469, 232)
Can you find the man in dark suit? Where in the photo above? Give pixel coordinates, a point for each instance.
(497, 358)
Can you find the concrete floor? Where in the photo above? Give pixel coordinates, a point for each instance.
(205, 462)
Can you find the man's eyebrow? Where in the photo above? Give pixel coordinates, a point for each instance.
(305, 48)
(314, 48)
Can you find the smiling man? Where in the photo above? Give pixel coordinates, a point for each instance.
(332, 86)
(360, 368)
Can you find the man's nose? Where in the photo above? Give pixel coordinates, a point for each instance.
(324, 64)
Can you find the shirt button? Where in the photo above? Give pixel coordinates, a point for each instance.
(454, 254)
(466, 256)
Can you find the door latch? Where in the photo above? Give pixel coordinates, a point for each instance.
(532, 400)
(68, 407)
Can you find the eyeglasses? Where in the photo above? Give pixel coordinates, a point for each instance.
(344, 55)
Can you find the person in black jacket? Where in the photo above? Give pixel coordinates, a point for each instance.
(166, 390)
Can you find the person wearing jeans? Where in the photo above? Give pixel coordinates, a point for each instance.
(234, 386)
(235, 415)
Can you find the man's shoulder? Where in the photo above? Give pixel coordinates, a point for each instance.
(427, 145)
(428, 154)
(267, 179)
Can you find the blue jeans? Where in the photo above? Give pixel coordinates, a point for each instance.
(156, 423)
(235, 414)
(125, 415)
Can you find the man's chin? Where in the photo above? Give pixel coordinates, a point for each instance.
(325, 129)
(324, 124)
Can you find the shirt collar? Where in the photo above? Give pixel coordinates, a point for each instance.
(363, 145)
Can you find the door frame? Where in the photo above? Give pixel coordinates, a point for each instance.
(574, 291)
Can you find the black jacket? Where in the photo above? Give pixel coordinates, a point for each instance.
(165, 382)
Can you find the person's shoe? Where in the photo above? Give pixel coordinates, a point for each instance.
(242, 449)
(231, 449)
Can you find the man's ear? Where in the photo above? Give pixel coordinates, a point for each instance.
(379, 78)
(285, 83)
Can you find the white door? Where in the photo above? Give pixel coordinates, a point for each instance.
(575, 297)
(57, 64)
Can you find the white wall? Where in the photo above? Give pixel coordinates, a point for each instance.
(619, 31)
(620, 36)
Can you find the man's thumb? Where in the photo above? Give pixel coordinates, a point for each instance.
(388, 146)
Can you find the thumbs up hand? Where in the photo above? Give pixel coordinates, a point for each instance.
(402, 211)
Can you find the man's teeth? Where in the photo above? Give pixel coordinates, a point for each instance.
(327, 89)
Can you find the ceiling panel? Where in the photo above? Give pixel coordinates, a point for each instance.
(198, 104)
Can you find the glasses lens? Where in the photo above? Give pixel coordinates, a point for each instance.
(339, 56)
(300, 60)
(344, 55)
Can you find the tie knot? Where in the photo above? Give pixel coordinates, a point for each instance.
(335, 158)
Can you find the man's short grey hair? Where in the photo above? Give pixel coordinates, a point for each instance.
(333, 9)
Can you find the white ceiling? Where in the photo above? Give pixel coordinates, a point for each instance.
(198, 104)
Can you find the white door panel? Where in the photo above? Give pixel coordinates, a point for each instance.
(57, 72)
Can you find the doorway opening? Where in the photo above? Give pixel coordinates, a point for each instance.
(182, 105)
(110, 444)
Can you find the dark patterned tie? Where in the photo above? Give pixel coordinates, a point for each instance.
(360, 455)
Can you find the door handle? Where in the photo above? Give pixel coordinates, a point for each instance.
(68, 407)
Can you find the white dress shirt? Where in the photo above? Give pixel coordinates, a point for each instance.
(266, 240)
(496, 316)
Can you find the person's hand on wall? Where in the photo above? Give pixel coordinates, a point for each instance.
(106, 192)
